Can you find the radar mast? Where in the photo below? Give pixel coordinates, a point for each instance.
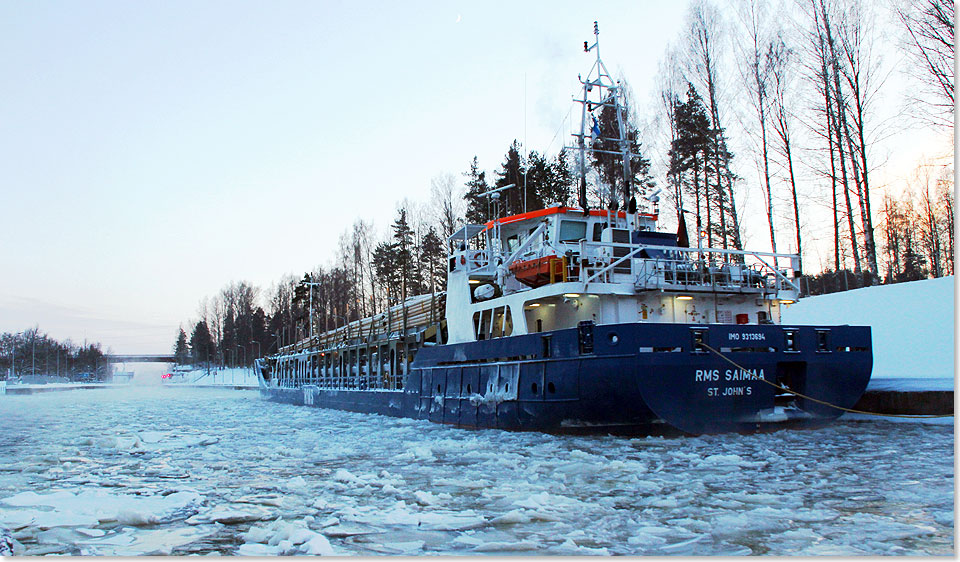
(599, 90)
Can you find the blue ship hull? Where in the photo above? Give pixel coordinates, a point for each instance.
(624, 378)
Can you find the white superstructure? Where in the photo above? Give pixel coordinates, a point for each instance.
(553, 268)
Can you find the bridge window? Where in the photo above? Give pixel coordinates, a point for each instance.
(620, 236)
(572, 231)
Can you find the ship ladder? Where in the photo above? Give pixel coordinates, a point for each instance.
(558, 269)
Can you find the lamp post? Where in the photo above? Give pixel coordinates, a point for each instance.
(244, 350)
(311, 284)
(258, 354)
(700, 235)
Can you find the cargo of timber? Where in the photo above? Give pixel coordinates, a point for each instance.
(586, 319)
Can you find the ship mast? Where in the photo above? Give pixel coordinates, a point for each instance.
(599, 90)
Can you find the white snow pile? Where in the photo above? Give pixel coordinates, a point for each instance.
(236, 376)
(359, 519)
(285, 538)
(93, 507)
(912, 324)
(152, 441)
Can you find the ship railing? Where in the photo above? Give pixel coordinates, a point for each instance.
(674, 268)
(477, 261)
(413, 314)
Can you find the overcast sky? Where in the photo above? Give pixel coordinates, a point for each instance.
(151, 152)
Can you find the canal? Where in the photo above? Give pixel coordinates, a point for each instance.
(160, 470)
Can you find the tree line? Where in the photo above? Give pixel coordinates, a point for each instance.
(793, 83)
(369, 272)
(32, 352)
(800, 80)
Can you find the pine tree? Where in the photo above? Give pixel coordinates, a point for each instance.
(432, 254)
(386, 267)
(610, 166)
(181, 352)
(476, 185)
(301, 304)
(403, 248)
(201, 343)
(914, 265)
(691, 150)
(559, 187)
(511, 172)
(535, 182)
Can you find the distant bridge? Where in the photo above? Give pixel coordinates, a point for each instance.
(140, 358)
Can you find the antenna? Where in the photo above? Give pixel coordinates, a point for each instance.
(497, 190)
(493, 196)
(600, 91)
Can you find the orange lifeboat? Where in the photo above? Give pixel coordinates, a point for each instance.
(540, 271)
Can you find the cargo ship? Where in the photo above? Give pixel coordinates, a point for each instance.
(580, 319)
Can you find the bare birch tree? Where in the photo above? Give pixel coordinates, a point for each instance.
(446, 204)
(756, 58)
(860, 68)
(669, 91)
(781, 69)
(704, 35)
(930, 28)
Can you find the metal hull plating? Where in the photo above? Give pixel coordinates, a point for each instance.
(623, 378)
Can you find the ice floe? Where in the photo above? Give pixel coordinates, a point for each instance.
(221, 472)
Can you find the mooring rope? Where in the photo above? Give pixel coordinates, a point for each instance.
(812, 399)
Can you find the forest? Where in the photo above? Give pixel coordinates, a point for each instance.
(32, 352)
(777, 101)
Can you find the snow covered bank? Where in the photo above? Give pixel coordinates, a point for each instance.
(912, 324)
(238, 376)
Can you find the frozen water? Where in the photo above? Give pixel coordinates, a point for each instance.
(203, 471)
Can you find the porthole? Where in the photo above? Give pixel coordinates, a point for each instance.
(469, 390)
(533, 388)
(613, 338)
(551, 389)
(507, 387)
(438, 389)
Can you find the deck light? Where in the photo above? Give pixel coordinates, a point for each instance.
(533, 305)
(474, 281)
(787, 301)
(684, 298)
(571, 295)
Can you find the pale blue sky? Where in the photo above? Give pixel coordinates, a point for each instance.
(151, 152)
